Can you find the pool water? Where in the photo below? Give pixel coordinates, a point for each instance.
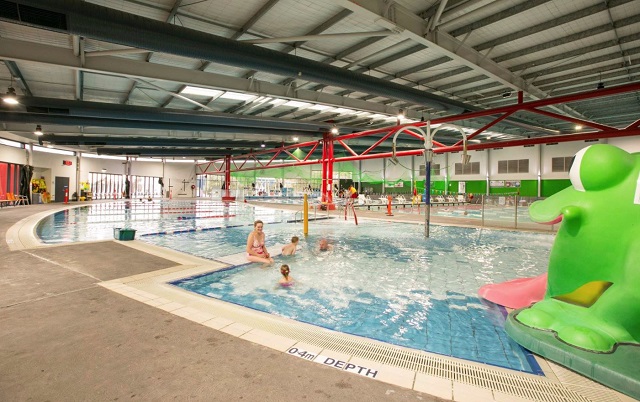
(382, 280)
(385, 281)
(97, 221)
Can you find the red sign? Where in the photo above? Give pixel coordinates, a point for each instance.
(66, 163)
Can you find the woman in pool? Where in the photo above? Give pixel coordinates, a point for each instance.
(256, 250)
(286, 279)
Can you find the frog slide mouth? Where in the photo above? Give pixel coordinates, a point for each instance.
(555, 221)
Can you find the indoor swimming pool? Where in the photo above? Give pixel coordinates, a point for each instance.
(96, 221)
(382, 280)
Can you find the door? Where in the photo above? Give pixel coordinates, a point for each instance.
(61, 183)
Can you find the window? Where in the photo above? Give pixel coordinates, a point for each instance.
(514, 166)
(469, 168)
(561, 164)
(105, 185)
(435, 170)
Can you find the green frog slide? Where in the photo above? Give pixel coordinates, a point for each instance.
(589, 319)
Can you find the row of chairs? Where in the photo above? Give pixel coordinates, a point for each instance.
(14, 200)
(401, 199)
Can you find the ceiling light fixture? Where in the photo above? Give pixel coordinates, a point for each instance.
(10, 97)
(295, 139)
(578, 127)
(38, 130)
(263, 145)
(600, 83)
(334, 130)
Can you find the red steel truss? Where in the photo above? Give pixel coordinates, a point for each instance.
(599, 131)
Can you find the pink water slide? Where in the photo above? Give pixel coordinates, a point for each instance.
(516, 293)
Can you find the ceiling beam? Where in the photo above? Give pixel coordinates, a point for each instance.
(16, 50)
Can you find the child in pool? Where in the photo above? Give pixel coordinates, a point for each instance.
(290, 249)
(286, 279)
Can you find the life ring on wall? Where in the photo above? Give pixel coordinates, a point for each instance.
(193, 186)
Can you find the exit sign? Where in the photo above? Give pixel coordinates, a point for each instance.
(66, 163)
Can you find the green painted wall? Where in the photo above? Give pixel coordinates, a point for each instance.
(370, 182)
(550, 187)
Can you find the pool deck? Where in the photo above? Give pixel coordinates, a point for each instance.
(77, 323)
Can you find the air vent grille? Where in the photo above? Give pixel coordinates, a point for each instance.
(28, 15)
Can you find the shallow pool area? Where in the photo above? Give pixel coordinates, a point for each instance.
(384, 281)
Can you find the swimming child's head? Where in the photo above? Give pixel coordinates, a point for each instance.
(294, 239)
(284, 270)
(323, 244)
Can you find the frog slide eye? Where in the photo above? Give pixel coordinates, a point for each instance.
(599, 166)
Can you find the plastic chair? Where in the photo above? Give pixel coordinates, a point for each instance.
(17, 199)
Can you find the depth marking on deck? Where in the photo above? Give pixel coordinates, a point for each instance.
(333, 362)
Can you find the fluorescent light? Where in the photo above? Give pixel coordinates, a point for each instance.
(237, 96)
(53, 151)
(148, 160)
(321, 107)
(297, 104)
(278, 102)
(10, 143)
(342, 110)
(378, 116)
(180, 161)
(95, 156)
(212, 93)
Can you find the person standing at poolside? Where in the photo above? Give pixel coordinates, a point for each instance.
(256, 249)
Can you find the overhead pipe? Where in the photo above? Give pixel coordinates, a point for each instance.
(68, 107)
(76, 17)
(121, 140)
(192, 153)
(63, 120)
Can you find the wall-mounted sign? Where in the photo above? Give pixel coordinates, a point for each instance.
(504, 183)
(67, 163)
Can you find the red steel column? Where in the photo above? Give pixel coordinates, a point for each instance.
(327, 171)
(227, 179)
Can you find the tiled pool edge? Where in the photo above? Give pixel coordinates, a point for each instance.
(153, 289)
(457, 386)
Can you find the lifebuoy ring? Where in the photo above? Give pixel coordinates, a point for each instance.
(193, 186)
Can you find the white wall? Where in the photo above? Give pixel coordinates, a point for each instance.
(13, 155)
(173, 173)
(49, 166)
(629, 144)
